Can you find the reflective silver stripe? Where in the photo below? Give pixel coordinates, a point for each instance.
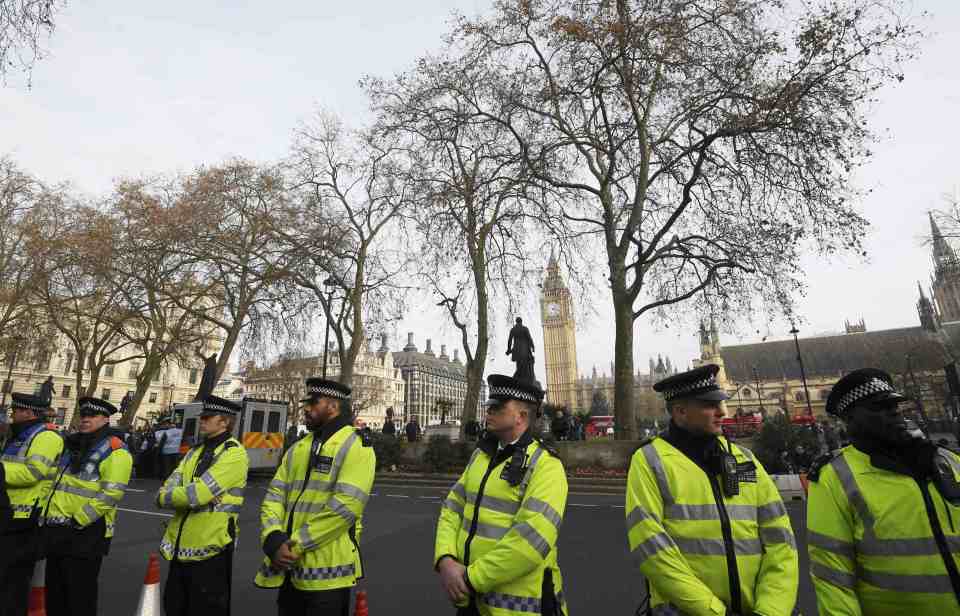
(92, 514)
(829, 544)
(459, 490)
(113, 485)
(305, 540)
(78, 491)
(923, 546)
(14, 459)
(649, 547)
(226, 508)
(656, 465)
(192, 497)
(907, 583)
(716, 547)
(36, 472)
(341, 510)
(638, 515)
(323, 573)
(58, 520)
(352, 491)
(771, 535)
(235, 492)
(770, 511)
(709, 512)
(270, 522)
(277, 484)
(453, 506)
(545, 509)
(341, 455)
(495, 504)
(487, 531)
(37, 457)
(842, 579)
(211, 483)
(22, 508)
(746, 452)
(530, 466)
(530, 605)
(273, 497)
(103, 497)
(842, 469)
(308, 507)
(537, 541)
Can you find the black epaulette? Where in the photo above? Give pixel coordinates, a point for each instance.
(549, 448)
(365, 438)
(814, 473)
(230, 443)
(645, 442)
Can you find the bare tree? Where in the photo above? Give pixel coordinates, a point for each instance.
(471, 188)
(705, 145)
(23, 26)
(351, 195)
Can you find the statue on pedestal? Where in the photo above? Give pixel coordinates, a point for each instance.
(209, 379)
(520, 348)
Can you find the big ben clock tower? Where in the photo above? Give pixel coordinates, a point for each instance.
(559, 338)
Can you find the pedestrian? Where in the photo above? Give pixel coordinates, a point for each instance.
(704, 520)
(389, 429)
(883, 512)
(170, 449)
(81, 511)
(29, 456)
(413, 430)
(206, 492)
(496, 545)
(311, 513)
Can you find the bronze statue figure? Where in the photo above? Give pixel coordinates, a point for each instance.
(209, 379)
(520, 348)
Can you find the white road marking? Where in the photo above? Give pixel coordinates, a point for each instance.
(582, 505)
(397, 495)
(134, 490)
(156, 513)
(430, 497)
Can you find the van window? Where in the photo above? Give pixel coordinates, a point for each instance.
(190, 428)
(256, 421)
(273, 422)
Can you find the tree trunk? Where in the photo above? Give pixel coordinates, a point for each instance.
(151, 366)
(233, 335)
(475, 365)
(623, 404)
(356, 299)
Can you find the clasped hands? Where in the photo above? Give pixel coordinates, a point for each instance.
(453, 577)
(284, 558)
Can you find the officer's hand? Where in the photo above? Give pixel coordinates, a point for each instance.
(451, 576)
(284, 557)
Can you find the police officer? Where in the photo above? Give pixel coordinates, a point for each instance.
(28, 457)
(311, 512)
(704, 520)
(80, 513)
(496, 545)
(206, 492)
(883, 513)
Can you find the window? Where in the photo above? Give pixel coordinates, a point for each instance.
(134, 370)
(747, 392)
(256, 421)
(105, 394)
(156, 376)
(273, 423)
(65, 392)
(193, 376)
(68, 363)
(108, 371)
(799, 397)
(153, 397)
(61, 416)
(7, 386)
(43, 361)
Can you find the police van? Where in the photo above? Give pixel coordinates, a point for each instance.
(260, 428)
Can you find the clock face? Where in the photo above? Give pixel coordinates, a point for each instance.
(553, 310)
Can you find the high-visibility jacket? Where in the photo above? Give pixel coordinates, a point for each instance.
(694, 544)
(206, 491)
(81, 498)
(506, 532)
(28, 461)
(880, 542)
(316, 499)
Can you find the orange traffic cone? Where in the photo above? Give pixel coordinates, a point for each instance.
(150, 596)
(38, 590)
(361, 607)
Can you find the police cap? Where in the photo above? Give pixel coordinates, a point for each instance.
(89, 407)
(323, 388)
(212, 405)
(864, 385)
(697, 384)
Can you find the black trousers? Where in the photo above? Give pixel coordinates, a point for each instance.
(293, 602)
(18, 553)
(199, 588)
(72, 585)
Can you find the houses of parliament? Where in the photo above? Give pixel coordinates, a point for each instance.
(566, 386)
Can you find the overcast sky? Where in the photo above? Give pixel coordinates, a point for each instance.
(132, 88)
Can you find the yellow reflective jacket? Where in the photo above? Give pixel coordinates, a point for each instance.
(502, 519)
(873, 539)
(316, 499)
(684, 533)
(206, 491)
(28, 462)
(91, 489)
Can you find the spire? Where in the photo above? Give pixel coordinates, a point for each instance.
(929, 319)
(944, 257)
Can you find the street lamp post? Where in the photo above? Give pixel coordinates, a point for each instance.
(756, 378)
(803, 373)
(13, 362)
(329, 283)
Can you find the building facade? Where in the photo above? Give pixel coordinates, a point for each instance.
(648, 404)
(377, 382)
(946, 276)
(559, 338)
(436, 386)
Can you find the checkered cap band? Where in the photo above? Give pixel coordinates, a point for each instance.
(708, 383)
(871, 387)
(93, 407)
(329, 392)
(36, 408)
(512, 393)
(213, 407)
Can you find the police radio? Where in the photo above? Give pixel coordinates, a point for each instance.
(945, 480)
(728, 473)
(514, 471)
